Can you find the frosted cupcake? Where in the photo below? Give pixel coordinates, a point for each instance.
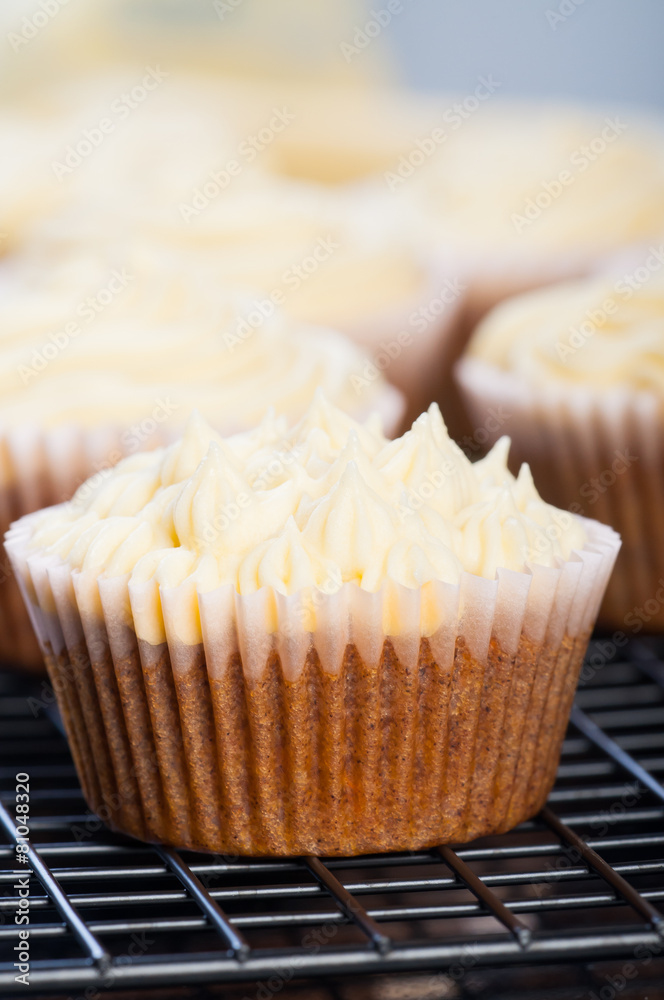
(94, 368)
(336, 134)
(27, 141)
(327, 257)
(578, 371)
(299, 41)
(522, 195)
(313, 640)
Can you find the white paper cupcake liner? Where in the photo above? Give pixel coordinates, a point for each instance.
(344, 739)
(600, 455)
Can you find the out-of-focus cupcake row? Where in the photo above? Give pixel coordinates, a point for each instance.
(172, 241)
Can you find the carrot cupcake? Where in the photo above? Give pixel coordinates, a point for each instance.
(313, 640)
(326, 256)
(522, 195)
(578, 370)
(518, 196)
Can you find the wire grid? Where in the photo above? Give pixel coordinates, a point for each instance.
(584, 880)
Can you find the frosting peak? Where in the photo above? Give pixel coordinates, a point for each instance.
(329, 502)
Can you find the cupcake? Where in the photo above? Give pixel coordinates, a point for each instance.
(326, 256)
(521, 196)
(337, 134)
(299, 40)
(209, 179)
(100, 362)
(311, 639)
(335, 258)
(29, 191)
(577, 371)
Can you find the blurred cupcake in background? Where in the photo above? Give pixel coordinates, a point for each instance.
(334, 258)
(310, 639)
(96, 364)
(298, 40)
(337, 134)
(326, 256)
(577, 370)
(125, 138)
(517, 196)
(187, 172)
(523, 195)
(28, 190)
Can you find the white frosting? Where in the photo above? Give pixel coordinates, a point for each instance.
(598, 334)
(329, 257)
(308, 509)
(159, 333)
(541, 179)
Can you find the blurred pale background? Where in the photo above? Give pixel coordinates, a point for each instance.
(597, 50)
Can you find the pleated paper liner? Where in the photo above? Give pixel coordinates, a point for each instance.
(492, 277)
(598, 453)
(264, 738)
(39, 468)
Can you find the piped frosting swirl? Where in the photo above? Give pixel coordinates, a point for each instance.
(324, 503)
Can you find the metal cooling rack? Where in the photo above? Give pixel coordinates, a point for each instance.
(582, 882)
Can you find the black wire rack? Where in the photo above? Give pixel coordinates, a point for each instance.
(582, 882)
